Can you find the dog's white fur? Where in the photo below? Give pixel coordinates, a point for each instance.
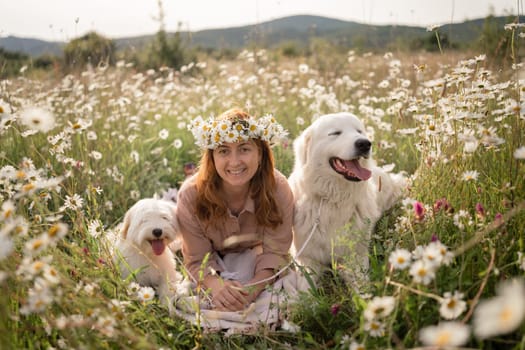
(147, 221)
(345, 211)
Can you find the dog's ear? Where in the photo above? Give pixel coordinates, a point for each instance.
(301, 147)
(125, 226)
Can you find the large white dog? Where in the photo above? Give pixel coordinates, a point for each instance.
(339, 194)
(149, 227)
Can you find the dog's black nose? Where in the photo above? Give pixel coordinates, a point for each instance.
(363, 146)
(157, 232)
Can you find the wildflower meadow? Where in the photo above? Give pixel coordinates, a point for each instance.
(447, 262)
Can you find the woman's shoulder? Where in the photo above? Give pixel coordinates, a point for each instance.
(279, 177)
(188, 189)
(281, 182)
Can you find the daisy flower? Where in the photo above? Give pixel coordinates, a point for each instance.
(51, 274)
(519, 153)
(501, 314)
(117, 306)
(422, 272)
(470, 175)
(72, 202)
(146, 294)
(232, 136)
(433, 27)
(19, 226)
(379, 307)
(95, 155)
(57, 231)
(357, 346)
(290, 327)
(5, 109)
(134, 194)
(91, 135)
(303, 68)
(38, 299)
(163, 134)
(6, 246)
(90, 288)
(38, 119)
(36, 245)
(400, 259)
(6, 118)
(452, 305)
(106, 325)
(95, 228)
(470, 146)
(135, 156)
(133, 288)
(445, 334)
(177, 143)
(7, 210)
(375, 328)
(446, 255)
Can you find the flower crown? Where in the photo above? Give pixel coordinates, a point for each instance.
(211, 132)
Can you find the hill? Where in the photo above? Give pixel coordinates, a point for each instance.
(31, 47)
(298, 29)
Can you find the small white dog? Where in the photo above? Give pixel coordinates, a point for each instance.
(149, 227)
(339, 194)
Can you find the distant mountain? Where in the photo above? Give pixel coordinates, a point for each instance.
(296, 29)
(300, 29)
(31, 47)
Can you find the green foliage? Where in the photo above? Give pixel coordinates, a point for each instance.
(433, 42)
(291, 49)
(495, 41)
(90, 48)
(165, 50)
(11, 63)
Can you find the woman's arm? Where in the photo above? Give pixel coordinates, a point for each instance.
(196, 246)
(257, 284)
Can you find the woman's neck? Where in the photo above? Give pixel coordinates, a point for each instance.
(235, 197)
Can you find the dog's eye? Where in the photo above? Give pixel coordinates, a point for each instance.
(335, 133)
(165, 218)
(360, 131)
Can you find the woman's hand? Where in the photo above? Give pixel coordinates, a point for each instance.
(226, 295)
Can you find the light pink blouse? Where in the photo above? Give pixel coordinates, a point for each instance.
(234, 233)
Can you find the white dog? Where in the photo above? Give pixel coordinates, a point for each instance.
(339, 194)
(149, 227)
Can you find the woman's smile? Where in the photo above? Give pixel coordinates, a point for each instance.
(237, 162)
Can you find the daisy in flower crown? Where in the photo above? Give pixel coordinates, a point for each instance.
(235, 213)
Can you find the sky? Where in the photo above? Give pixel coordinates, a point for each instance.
(63, 20)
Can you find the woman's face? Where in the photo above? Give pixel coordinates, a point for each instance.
(236, 163)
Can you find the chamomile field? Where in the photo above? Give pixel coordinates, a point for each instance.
(447, 262)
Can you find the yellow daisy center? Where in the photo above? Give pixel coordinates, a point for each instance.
(505, 315)
(443, 339)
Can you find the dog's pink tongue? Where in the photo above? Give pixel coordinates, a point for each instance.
(158, 246)
(354, 169)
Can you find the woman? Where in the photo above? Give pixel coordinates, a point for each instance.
(236, 212)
